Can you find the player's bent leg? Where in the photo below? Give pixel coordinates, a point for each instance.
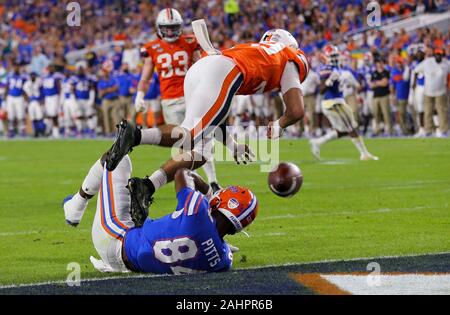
(112, 219)
(74, 206)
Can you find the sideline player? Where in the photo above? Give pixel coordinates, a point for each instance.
(86, 119)
(172, 54)
(275, 63)
(69, 105)
(51, 91)
(335, 108)
(418, 89)
(33, 89)
(15, 102)
(189, 240)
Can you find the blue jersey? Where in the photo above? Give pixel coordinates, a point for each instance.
(67, 87)
(35, 90)
(182, 242)
(401, 86)
(82, 87)
(106, 84)
(153, 90)
(50, 84)
(420, 76)
(15, 84)
(124, 81)
(3, 85)
(333, 91)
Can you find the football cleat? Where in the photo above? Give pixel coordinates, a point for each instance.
(368, 157)
(121, 146)
(141, 200)
(315, 149)
(215, 187)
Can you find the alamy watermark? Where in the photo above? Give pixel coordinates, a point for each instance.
(373, 11)
(74, 277)
(246, 147)
(374, 277)
(74, 14)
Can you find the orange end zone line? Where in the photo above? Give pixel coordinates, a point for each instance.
(318, 284)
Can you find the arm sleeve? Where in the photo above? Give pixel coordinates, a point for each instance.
(290, 77)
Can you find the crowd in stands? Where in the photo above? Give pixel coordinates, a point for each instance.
(35, 37)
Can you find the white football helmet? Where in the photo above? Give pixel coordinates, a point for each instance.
(169, 24)
(280, 36)
(332, 55)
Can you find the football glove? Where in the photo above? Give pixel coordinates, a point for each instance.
(139, 102)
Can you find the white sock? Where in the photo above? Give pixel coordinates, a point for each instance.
(55, 132)
(93, 179)
(21, 126)
(74, 208)
(151, 136)
(359, 144)
(210, 171)
(327, 137)
(92, 122)
(158, 178)
(78, 125)
(49, 125)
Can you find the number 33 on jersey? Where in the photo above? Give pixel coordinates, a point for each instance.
(172, 61)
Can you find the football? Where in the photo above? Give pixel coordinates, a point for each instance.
(285, 180)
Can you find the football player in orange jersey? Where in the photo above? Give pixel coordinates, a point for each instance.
(171, 54)
(275, 63)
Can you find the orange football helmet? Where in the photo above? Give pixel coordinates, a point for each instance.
(237, 203)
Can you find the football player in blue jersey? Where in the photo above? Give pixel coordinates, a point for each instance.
(69, 104)
(85, 97)
(335, 108)
(15, 102)
(189, 240)
(51, 91)
(418, 88)
(33, 89)
(365, 76)
(3, 84)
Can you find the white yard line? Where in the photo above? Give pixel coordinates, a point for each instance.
(326, 214)
(143, 276)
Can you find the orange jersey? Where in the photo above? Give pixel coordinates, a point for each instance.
(171, 60)
(262, 65)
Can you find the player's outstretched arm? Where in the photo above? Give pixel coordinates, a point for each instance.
(293, 100)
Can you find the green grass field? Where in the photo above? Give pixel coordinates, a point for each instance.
(346, 208)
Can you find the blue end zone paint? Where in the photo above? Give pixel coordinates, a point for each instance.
(271, 281)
